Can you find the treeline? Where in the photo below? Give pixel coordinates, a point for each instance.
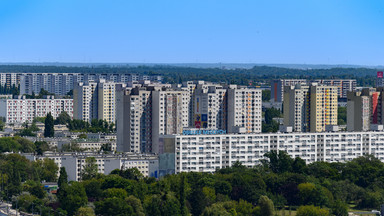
(20, 145)
(78, 125)
(13, 90)
(279, 182)
(173, 74)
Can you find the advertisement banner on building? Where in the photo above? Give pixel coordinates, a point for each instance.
(379, 74)
(197, 124)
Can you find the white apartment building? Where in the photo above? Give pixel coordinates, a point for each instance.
(107, 101)
(25, 110)
(243, 109)
(134, 120)
(62, 83)
(297, 107)
(85, 98)
(209, 107)
(169, 114)
(74, 162)
(9, 79)
(56, 83)
(207, 153)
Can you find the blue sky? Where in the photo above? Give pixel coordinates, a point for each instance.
(193, 31)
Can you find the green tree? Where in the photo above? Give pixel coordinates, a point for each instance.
(49, 126)
(165, 204)
(311, 211)
(93, 188)
(266, 95)
(266, 206)
(136, 205)
(63, 178)
(46, 169)
(72, 197)
(34, 188)
(278, 161)
(339, 208)
(113, 206)
(341, 115)
(271, 113)
(63, 118)
(217, 209)
(41, 147)
(85, 211)
(115, 192)
(89, 169)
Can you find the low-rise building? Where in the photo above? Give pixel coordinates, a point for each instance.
(74, 162)
(207, 153)
(22, 110)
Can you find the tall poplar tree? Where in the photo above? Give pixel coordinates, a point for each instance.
(49, 124)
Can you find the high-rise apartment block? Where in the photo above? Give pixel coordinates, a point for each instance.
(209, 107)
(22, 110)
(134, 120)
(310, 108)
(297, 107)
(147, 112)
(107, 101)
(365, 109)
(85, 101)
(244, 109)
(323, 107)
(169, 114)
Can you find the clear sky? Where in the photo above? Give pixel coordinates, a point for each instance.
(193, 31)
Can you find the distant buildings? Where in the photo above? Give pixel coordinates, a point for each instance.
(343, 86)
(310, 108)
(25, 110)
(277, 87)
(62, 83)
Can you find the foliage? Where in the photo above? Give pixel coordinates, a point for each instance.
(311, 211)
(89, 169)
(63, 118)
(28, 130)
(63, 178)
(131, 173)
(49, 130)
(16, 144)
(266, 95)
(339, 208)
(72, 197)
(41, 147)
(266, 206)
(47, 169)
(95, 126)
(85, 211)
(341, 115)
(270, 125)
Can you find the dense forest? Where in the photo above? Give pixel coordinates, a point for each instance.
(279, 185)
(173, 74)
